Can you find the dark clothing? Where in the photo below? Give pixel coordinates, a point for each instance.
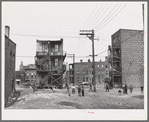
(68, 91)
(73, 90)
(79, 90)
(82, 91)
(141, 89)
(126, 89)
(107, 87)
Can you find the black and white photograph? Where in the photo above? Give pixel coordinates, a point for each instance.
(69, 60)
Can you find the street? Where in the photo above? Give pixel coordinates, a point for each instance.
(46, 99)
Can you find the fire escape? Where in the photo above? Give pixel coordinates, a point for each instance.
(115, 63)
(45, 63)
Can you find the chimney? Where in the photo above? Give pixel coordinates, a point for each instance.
(81, 60)
(100, 60)
(89, 60)
(7, 31)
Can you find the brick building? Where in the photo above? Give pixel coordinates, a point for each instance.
(30, 75)
(126, 58)
(49, 62)
(10, 53)
(20, 77)
(83, 71)
(26, 73)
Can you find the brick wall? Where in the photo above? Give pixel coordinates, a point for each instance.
(132, 57)
(10, 52)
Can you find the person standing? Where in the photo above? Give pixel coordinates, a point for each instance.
(141, 88)
(126, 88)
(131, 89)
(90, 87)
(123, 87)
(73, 90)
(82, 90)
(107, 87)
(68, 91)
(79, 91)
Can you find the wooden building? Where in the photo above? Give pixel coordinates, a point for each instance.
(49, 62)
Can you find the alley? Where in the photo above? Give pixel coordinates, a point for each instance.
(46, 99)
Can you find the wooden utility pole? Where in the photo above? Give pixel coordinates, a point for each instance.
(73, 69)
(90, 35)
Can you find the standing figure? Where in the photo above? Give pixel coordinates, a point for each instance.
(90, 87)
(82, 90)
(125, 88)
(79, 91)
(73, 90)
(107, 87)
(131, 89)
(141, 88)
(68, 91)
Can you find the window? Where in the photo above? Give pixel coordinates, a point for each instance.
(32, 75)
(106, 66)
(86, 78)
(78, 72)
(86, 72)
(56, 62)
(98, 65)
(83, 72)
(86, 66)
(114, 41)
(102, 66)
(56, 48)
(83, 79)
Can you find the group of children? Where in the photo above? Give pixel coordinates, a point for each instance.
(80, 90)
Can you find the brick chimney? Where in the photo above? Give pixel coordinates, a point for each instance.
(7, 31)
(81, 60)
(89, 60)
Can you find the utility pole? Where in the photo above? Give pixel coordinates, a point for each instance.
(73, 69)
(90, 35)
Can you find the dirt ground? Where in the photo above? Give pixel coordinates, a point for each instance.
(46, 99)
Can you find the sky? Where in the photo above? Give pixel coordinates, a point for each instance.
(29, 21)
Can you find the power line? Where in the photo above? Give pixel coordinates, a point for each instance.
(95, 15)
(90, 15)
(47, 36)
(102, 52)
(107, 16)
(111, 19)
(100, 16)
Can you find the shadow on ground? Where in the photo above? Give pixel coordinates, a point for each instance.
(139, 96)
(76, 105)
